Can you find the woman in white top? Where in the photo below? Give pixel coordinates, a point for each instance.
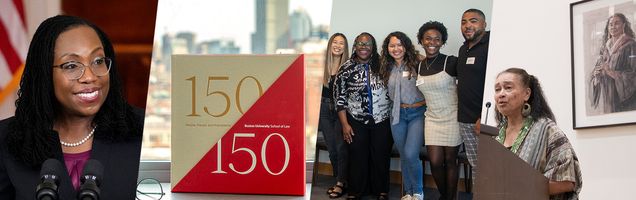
(436, 80)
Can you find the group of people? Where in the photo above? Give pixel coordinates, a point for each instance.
(374, 100)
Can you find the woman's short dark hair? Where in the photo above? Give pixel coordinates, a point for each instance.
(30, 137)
(439, 26)
(539, 105)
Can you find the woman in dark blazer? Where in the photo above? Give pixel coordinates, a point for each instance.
(70, 107)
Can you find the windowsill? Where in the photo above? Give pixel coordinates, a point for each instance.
(194, 196)
(160, 170)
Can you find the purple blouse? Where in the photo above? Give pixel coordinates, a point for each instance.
(75, 165)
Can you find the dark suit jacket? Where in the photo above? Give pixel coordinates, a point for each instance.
(120, 160)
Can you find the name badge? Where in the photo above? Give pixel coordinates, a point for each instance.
(406, 73)
(419, 81)
(470, 60)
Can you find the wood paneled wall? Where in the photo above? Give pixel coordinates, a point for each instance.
(130, 25)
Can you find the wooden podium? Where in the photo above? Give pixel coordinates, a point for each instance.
(502, 175)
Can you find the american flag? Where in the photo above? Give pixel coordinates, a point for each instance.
(13, 51)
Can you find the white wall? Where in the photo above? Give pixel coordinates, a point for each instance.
(352, 17)
(535, 35)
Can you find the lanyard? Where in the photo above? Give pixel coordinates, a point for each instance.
(369, 91)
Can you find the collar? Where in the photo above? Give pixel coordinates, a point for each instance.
(484, 39)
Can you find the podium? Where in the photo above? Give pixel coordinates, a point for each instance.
(503, 175)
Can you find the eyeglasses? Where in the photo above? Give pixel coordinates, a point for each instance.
(74, 70)
(149, 189)
(360, 44)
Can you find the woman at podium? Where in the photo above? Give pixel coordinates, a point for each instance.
(528, 129)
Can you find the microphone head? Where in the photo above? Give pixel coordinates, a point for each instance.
(488, 104)
(90, 179)
(94, 170)
(51, 168)
(49, 179)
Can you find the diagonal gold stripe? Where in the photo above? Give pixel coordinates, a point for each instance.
(13, 85)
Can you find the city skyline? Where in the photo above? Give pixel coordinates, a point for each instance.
(299, 33)
(179, 16)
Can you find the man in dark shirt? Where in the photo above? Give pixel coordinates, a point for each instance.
(471, 72)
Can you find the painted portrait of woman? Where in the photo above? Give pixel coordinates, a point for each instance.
(613, 80)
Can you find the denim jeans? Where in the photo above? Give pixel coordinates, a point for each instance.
(408, 135)
(329, 125)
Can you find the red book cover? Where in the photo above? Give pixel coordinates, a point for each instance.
(238, 124)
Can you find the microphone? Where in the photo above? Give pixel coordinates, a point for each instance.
(48, 187)
(487, 110)
(91, 180)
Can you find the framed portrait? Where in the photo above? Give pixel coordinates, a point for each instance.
(603, 46)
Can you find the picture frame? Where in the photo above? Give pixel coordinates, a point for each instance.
(603, 48)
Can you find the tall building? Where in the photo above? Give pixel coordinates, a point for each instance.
(166, 50)
(180, 46)
(321, 31)
(258, 37)
(182, 43)
(300, 26)
(188, 38)
(272, 25)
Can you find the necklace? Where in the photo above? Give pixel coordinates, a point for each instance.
(428, 66)
(527, 123)
(81, 141)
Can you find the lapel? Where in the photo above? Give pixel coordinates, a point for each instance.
(99, 151)
(66, 190)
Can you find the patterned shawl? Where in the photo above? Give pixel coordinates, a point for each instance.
(547, 149)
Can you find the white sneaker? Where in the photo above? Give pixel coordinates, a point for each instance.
(407, 197)
(418, 197)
